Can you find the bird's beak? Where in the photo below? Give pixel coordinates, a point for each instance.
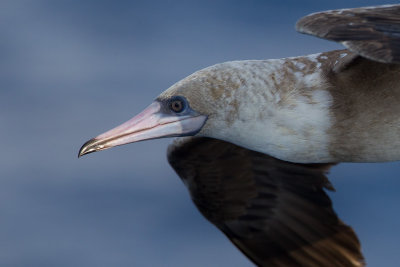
(151, 123)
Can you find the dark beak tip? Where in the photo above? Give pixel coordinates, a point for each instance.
(88, 147)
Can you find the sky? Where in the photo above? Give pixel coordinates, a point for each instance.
(70, 70)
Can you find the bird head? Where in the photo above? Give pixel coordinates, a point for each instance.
(190, 107)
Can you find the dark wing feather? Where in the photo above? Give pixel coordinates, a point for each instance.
(372, 32)
(275, 212)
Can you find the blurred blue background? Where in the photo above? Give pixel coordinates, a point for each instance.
(70, 70)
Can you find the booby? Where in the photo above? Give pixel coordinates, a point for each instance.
(257, 137)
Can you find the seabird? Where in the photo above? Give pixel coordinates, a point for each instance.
(256, 137)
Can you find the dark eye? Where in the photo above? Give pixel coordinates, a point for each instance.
(177, 105)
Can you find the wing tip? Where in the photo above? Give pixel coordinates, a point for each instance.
(301, 24)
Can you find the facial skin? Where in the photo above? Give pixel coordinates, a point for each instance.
(166, 118)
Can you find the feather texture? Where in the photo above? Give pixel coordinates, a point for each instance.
(275, 212)
(372, 32)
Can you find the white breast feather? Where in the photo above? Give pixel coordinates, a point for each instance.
(286, 116)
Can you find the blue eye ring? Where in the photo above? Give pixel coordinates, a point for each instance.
(177, 104)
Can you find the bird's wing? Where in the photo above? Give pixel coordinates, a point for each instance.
(372, 32)
(275, 212)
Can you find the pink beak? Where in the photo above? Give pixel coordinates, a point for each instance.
(151, 123)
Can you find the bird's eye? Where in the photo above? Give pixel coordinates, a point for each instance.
(177, 105)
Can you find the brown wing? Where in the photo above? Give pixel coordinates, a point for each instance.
(275, 212)
(372, 32)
